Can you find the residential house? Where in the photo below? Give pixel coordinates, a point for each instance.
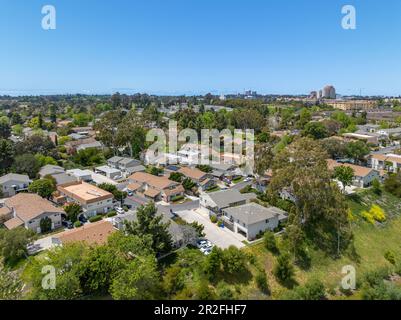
(363, 176)
(50, 169)
(216, 202)
(366, 137)
(63, 178)
(389, 162)
(95, 233)
(252, 219)
(92, 199)
(27, 210)
(58, 173)
(127, 166)
(154, 187)
(81, 175)
(77, 145)
(109, 172)
(203, 180)
(13, 183)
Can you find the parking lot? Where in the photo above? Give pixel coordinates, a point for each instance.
(220, 237)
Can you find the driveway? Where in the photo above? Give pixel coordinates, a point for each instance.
(190, 205)
(221, 237)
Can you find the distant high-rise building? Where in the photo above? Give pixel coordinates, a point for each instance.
(313, 95)
(329, 92)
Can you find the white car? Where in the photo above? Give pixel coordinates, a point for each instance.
(201, 244)
(120, 210)
(204, 250)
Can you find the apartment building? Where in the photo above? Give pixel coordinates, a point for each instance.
(92, 199)
(154, 187)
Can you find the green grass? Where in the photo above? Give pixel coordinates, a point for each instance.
(213, 189)
(237, 180)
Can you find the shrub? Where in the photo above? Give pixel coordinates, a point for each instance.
(213, 218)
(177, 198)
(378, 213)
(376, 187)
(389, 255)
(45, 224)
(261, 282)
(111, 214)
(77, 224)
(368, 217)
(283, 270)
(270, 242)
(313, 290)
(224, 292)
(95, 218)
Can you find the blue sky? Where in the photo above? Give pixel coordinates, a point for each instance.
(197, 46)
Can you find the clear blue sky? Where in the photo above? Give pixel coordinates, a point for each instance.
(197, 46)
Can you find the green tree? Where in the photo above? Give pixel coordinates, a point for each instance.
(261, 282)
(376, 187)
(81, 119)
(98, 268)
(88, 157)
(357, 150)
(13, 244)
(345, 175)
(149, 222)
(5, 129)
(283, 270)
(139, 281)
(6, 155)
(393, 184)
(320, 210)
(26, 164)
(176, 176)
(42, 187)
(45, 224)
(213, 263)
(234, 261)
(270, 242)
(315, 130)
(72, 210)
(67, 261)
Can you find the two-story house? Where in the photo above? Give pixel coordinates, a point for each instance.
(13, 183)
(252, 219)
(27, 210)
(92, 199)
(154, 187)
(126, 165)
(203, 180)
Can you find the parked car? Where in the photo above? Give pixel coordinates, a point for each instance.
(119, 210)
(82, 219)
(130, 193)
(67, 224)
(201, 243)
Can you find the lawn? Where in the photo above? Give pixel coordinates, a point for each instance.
(370, 243)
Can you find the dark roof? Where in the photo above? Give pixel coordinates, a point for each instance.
(252, 213)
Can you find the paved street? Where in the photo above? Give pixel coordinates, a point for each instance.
(221, 237)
